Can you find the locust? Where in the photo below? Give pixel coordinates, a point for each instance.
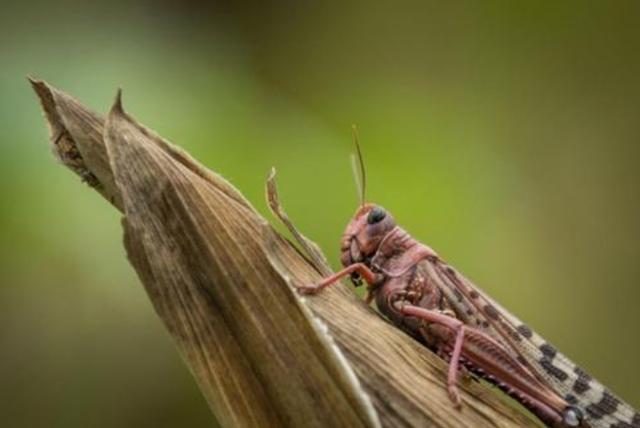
(418, 291)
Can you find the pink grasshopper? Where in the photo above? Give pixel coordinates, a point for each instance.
(421, 293)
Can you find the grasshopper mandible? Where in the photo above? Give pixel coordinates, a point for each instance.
(419, 292)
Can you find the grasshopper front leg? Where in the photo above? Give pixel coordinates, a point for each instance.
(363, 270)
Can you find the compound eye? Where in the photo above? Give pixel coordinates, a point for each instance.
(376, 215)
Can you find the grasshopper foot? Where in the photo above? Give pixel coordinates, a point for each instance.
(455, 396)
(309, 289)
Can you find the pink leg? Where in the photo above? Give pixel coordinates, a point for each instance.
(457, 326)
(454, 364)
(429, 315)
(361, 268)
(544, 402)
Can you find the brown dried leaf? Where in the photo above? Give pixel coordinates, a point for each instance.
(223, 282)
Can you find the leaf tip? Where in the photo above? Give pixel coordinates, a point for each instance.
(39, 86)
(117, 103)
(34, 81)
(272, 174)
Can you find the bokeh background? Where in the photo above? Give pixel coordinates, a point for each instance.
(504, 134)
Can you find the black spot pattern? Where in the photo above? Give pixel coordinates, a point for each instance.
(491, 312)
(525, 331)
(581, 385)
(607, 405)
(514, 334)
(553, 370)
(474, 294)
(623, 425)
(546, 362)
(548, 351)
(635, 423)
(571, 399)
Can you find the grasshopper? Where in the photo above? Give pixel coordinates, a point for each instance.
(426, 297)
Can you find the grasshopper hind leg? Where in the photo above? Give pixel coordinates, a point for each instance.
(481, 353)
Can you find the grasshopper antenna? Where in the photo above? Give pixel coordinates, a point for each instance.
(357, 164)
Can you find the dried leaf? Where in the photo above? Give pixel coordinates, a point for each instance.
(223, 282)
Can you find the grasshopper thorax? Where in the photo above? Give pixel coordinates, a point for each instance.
(364, 234)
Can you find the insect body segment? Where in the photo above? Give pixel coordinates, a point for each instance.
(420, 293)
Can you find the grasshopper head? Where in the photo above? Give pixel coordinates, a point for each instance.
(363, 235)
(369, 225)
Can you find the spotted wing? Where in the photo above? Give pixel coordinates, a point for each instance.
(601, 408)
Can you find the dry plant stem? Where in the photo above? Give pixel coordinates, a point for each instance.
(223, 283)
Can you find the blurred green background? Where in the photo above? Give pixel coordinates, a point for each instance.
(503, 134)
